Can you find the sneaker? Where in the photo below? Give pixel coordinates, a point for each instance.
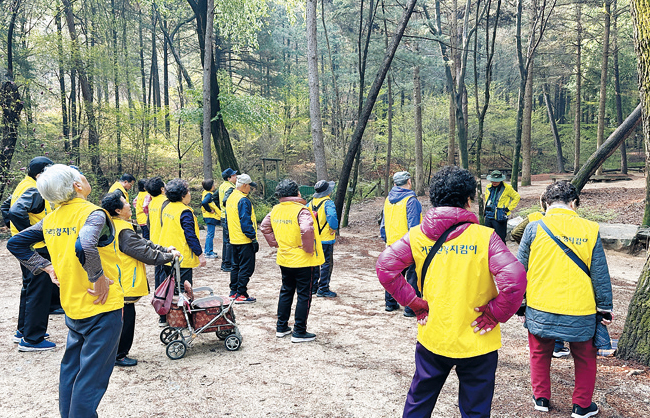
(391, 308)
(42, 346)
(409, 313)
(541, 404)
(305, 337)
(245, 299)
(162, 323)
(212, 256)
(563, 352)
(18, 336)
(226, 269)
(326, 294)
(580, 412)
(126, 362)
(283, 333)
(233, 296)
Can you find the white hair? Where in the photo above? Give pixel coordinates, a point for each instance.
(55, 184)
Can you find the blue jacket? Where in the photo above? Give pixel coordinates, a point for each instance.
(413, 207)
(331, 217)
(245, 210)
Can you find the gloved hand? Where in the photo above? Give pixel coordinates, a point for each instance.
(486, 322)
(256, 246)
(421, 309)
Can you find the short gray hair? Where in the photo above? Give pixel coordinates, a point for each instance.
(55, 183)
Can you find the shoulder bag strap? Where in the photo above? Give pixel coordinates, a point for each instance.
(315, 209)
(434, 250)
(566, 250)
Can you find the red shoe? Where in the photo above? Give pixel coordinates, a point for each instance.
(245, 299)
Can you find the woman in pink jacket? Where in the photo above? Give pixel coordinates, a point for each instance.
(471, 285)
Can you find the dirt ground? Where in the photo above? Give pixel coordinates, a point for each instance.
(360, 365)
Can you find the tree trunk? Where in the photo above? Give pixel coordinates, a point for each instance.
(207, 110)
(389, 146)
(603, 81)
(451, 147)
(578, 116)
(166, 84)
(617, 84)
(417, 102)
(556, 135)
(116, 81)
(607, 149)
(74, 125)
(527, 128)
(634, 343)
(355, 141)
(314, 92)
(145, 106)
(64, 107)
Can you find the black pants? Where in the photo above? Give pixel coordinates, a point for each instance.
(243, 267)
(128, 330)
(500, 227)
(412, 279)
(295, 280)
(34, 309)
(226, 249)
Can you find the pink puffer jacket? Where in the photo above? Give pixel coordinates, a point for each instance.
(509, 274)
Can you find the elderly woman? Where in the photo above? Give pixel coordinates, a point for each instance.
(180, 228)
(290, 228)
(457, 285)
(133, 252)
(79, 236)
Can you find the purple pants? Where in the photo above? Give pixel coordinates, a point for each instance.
(476, 376)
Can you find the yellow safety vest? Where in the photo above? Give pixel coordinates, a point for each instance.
(284, 220)
(132, 273)
(140, 216)
(61, 230)
(555, 283)
(321, 225)
(535, 216)
(118, 186)
(172, 233)
(223, 188)
(395, 219)
(155, 222)
(457, 281)
(235, 233)
(34, 218)
(509, 198)
(216, 212)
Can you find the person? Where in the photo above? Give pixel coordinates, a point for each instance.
(156, 188)
(133, 253)
(79, 237)
(462, 304)
(229, 179)
(327, 223)
(124, 184)
(141, 204)
(180, 229)
(211, 216)
(563, 299)
(290, 226)
(500, 200)
(24, 208)
(242, 233)
(402, 211)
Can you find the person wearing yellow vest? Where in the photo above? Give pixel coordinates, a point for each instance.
(518, 231)
(124, 184)
(564, 300)
(500, 200)
(242, 233)
(229, 179)
(402, 211)
(211, 216)
(473, 273)
(133, 252)
(156, 188)
(291, 228)
(141, 204)
(79, 236)
(24, 208)
(327, 222)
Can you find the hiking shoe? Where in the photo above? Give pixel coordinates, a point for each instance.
(18, 336)
(212, 256)
(245, 299)
(283, 333)
(408, 312)
(580, 412)
(162, 323)
(126, 362)
(305, 337)
(541, 404)
(42, 346)
(326, 294)
(391, 308)
(563, 352)
(226, 269)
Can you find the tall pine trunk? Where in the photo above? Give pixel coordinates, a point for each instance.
(617, 84)
(527, 128)
(417, 103)
(314, 92)
(64, 107)
(207, 60)
(578, 107)
(603, 81)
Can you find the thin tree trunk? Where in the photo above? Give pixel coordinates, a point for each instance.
(603, 81)
(74, 131)
(556, 135)
(207, 110)
(389, 146)
(314, 92)
(578, 116)
(118, 131)
(451, 146)
(527, 127)
(417, 102)
(64, 107)
(617, 84)
(145, 106)
(166, 83)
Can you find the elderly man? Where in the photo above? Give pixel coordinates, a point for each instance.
(156, 188)
(569, 290)
(124, 184)
(24, 208)
(327, 223)
(402, 211)
(242, 230)
(500, 200)
(229, 179)
(79, 236)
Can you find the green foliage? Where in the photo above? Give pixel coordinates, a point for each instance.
(596, 216)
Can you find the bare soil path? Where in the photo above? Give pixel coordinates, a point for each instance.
(360, 365)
